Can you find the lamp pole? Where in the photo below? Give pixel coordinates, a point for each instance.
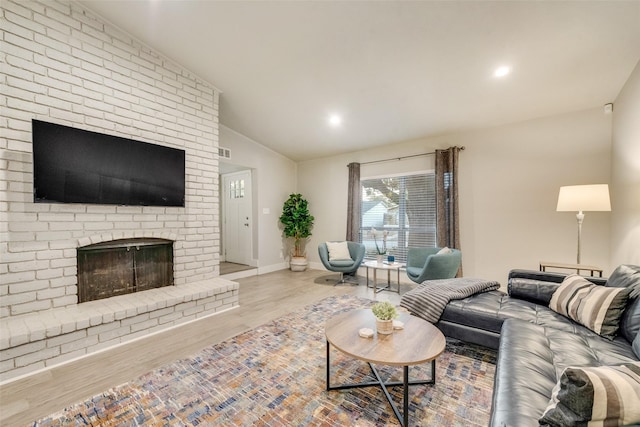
(580, 218)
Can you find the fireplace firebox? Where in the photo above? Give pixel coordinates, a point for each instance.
(123, 266)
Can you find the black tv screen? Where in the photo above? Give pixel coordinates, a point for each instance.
(78, 166)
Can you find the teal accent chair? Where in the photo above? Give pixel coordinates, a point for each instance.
(357, 252)
(426, 264)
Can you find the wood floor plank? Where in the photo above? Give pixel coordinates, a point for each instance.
(262, 298)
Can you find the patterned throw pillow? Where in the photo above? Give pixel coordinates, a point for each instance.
(596, 307)
(595, 396)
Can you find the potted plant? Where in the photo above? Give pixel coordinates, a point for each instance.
(297, 222)
(380, 250)
(385, 312)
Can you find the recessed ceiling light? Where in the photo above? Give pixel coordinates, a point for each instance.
(502, 71)
(335, 120)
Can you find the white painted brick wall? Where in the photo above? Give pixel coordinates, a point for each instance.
(62, 64)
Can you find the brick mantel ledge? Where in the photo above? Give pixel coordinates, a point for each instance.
(35, 341)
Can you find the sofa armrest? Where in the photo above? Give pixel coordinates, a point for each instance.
(538, 286)
(537, 291)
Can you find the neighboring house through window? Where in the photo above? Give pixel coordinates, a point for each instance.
(401, 210)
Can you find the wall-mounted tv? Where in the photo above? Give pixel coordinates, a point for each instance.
(78, 166)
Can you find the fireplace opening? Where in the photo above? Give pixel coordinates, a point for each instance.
(123, 266)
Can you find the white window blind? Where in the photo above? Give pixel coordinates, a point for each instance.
(401, 210)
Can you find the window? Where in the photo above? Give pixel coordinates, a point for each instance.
(401, 210)
(236, 189)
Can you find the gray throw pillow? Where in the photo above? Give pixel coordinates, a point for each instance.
(628, 276)
(602, 395)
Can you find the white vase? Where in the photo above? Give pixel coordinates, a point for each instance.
(379, 258)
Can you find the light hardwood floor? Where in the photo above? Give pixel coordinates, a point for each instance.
(262, 298)
(232, 267)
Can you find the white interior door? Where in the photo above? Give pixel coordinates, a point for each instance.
(237, 217)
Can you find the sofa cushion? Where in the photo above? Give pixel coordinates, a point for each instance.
(630, 321)
(487, 311)
(414, 271)
(482, 311)
(636, 345)
(607, 395)
(530, 360)
(628, 276)
(341, 263)
(597, 307)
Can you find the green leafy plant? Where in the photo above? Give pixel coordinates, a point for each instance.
(297, 221)
(384, 310)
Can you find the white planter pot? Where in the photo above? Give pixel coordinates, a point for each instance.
(384, 327)
(298, 263)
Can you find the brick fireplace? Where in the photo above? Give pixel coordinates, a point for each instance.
(125, 266)
(103, 80)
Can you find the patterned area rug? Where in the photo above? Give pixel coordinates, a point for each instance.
(274, 375)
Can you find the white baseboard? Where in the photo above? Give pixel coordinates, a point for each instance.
(273, 267)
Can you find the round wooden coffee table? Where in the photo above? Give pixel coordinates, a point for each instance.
(419, 342)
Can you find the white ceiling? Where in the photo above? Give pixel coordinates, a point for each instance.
(395, 70)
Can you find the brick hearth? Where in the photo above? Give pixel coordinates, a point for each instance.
(39, 340)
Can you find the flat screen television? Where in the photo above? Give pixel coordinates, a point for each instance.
(78, 166)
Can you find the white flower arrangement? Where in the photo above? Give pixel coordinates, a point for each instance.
(385, 233)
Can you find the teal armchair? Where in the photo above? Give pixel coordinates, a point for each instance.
(426, 264)
(356, 251)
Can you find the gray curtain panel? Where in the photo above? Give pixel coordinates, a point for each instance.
(447, 215)
(353, 203)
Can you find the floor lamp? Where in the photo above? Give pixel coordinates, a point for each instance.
(580, 198)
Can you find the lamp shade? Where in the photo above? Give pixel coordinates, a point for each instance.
(584, 198)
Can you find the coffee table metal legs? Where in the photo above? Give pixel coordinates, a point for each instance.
(402, 418)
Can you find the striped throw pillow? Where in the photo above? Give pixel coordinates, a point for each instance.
(595, 396)
(596, 307)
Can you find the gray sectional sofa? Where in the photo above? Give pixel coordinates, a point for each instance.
(535, 343)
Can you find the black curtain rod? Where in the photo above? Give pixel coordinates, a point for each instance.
(403, 157)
